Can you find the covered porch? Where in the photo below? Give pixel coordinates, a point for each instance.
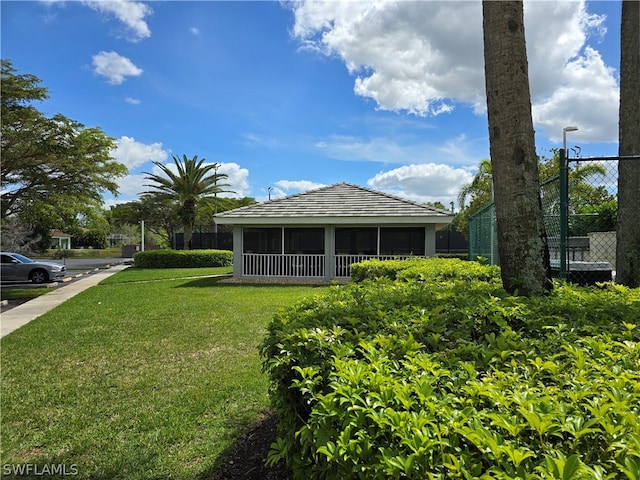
(325, 252)
(319, 234)
(303, 266)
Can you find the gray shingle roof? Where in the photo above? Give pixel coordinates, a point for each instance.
(340, 201)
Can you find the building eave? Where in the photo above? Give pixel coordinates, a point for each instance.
(377, 220)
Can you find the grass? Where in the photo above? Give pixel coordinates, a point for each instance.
(139, 380)
(134, 274)
(22, 293)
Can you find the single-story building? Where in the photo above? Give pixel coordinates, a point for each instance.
(60, 240)
(320, 233)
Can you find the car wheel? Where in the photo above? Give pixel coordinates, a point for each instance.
(39, 276)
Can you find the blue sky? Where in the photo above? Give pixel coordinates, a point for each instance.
(292, 96)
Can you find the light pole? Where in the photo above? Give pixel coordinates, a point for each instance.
(564, 201)
(564, 138)
(142, 240)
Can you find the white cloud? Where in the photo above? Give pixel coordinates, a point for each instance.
(295, 186)
(285, 188)
(133, 154)
(423, 183)
(412, 56)
(589, 99)
(115, 67)
(385, 150)
(132, 101)
(130, 187)
(357, 149)
(131, 13)
(271, 194)
(426, 58)
(195, 31)
(237, 178)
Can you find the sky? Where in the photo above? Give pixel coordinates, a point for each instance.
(290, 96)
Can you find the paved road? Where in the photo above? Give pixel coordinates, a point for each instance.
(77, 268)
(89, 263)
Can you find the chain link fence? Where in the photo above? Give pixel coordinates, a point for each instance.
(590, 242)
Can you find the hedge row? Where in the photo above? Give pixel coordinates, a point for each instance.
(441, 374)
(183, 258)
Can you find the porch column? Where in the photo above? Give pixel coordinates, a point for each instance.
(430, 240)
(237, 251)
(329, 252)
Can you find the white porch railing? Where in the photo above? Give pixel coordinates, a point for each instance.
(343, 262)
(303, 265)
(279, 265)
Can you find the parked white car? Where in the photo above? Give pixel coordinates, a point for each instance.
(18, 268)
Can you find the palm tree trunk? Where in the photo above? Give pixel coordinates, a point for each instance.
(188, 236)
(522, 244)
(628, 228)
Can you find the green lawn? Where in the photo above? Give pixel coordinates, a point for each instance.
(139, 380)
(10, 293)
(134, 274)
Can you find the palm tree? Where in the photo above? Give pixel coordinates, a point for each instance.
(478, 192)
(480, 186)
(193, 185)
(524, 256)
(628, 232)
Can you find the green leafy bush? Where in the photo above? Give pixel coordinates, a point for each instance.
(441, 374)
(183, 258)
(379, 268)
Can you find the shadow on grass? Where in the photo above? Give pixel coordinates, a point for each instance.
(207, 282)
(245, 458)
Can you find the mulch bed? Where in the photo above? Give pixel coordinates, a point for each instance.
(245, 459)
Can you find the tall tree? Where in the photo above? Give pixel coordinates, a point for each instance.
(160, 216)
(522, 244)
(479, 194)
(192, 184)
(628, 229)
(52, 161)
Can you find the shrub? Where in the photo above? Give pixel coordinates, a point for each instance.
(461, 256)
(442, 374)
(379, 268)
(183, 258)
(427, 268)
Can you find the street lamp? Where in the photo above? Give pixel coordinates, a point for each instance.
(564, 138)
(142, 239)
(564, 202)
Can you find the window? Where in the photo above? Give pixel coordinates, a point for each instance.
(304, 240)
(402, 241)
(357, 241)
(262, 240)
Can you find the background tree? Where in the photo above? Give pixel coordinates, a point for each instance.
(478, 192)
(193, 184)
(160, 216)
(522, 245)
(628, 231)
(592, 208)
(53, 161)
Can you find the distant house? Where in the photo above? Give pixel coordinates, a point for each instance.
(60, 240)
(320, 233)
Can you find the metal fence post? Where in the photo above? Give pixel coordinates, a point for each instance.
(564, 212)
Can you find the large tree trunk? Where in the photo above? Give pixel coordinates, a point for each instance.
(188, 236)
(522, 243)
(628, 231)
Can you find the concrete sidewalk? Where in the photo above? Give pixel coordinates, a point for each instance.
(23, 314)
